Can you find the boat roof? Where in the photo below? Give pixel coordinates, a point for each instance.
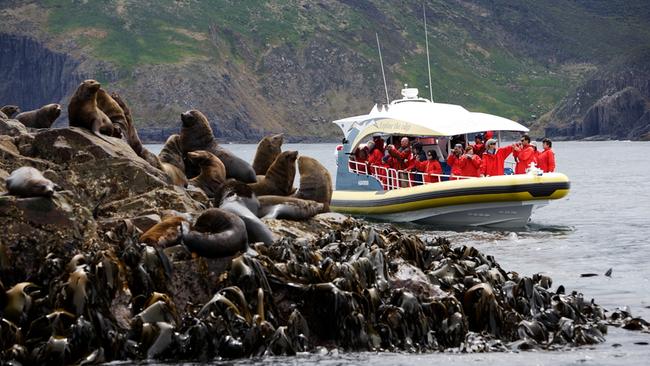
(412, 116)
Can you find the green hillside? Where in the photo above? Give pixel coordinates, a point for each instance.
(512, 58)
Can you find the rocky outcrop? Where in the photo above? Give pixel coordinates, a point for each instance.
(618, 115)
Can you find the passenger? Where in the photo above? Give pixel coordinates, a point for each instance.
(453, 160)
(546, 159)
(524, 154)
(479, 146)
(362, 159)
(470, 163)
(413, 166)
(374, 154)
(379, 143)
(431, 167)
(493, 158)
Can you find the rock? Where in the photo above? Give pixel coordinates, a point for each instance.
(12, 127)
(145, 222)
(616, 115)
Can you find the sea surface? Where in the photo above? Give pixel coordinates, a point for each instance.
(603, 223)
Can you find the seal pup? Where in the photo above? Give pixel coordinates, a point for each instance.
(29, 182)
(8, 111)
(196, 134)
(217, 233)
(315, 182)
(267, 150)
(43, 117)
(239, 198)
(291, 208)
(279, 178)
(166, 233)
(213, 172)
(83, 111)
(171, 160)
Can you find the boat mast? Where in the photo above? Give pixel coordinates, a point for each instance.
(381, 61)
(426, 40)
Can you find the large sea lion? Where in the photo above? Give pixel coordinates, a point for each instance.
(166, 233)
(8, 111)
(279, 178)
(315, 181)
(213, 172)
(43, 117)
(291, 208)
(267, 150)
(130, 132)
(196, 134)
(83, 111)
(171, 160)
(239, 198)
(113, 111)
(29, 182)
(217, 233)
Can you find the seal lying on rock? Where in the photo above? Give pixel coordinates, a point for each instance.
(239, 198)
(217, 233)
(83, 111)
(213, 172)
(279, 177)
(171, 160)
(8, 111)
(315, 182)
(29, 182)
(43, 117)
(280, 207)
(196, 134)
(166, 233)
(267, 150)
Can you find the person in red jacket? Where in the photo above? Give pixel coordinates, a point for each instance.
(470, 163)
(479, 147)
(453, 160)
(546, 159)
(429, 167)
(524, 154)
(493, 159)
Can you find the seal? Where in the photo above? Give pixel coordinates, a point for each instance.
(171, 160)
(113, 111)
(29, 182)
(291, 208)
(213, 172)
(83, 111)
(217, 233)
(267, 150)
(315, 182)
(239, 198)
(8, 111)
(279, 178)
(43, 117)
(166, 233)
(196, 134)
(131, 133)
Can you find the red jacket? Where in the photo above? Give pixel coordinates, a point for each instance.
(402, 158)
(454, 164)
(524, 157)
(546, 160)
(479, 149)
(469, 165)
(374, 158)
(429, 167)
(492, 164)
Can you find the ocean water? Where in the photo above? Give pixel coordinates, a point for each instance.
(603, 223)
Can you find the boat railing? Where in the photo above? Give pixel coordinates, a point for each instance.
(391, 178)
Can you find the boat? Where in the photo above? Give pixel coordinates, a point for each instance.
(390, 195)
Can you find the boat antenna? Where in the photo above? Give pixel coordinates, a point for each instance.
(381, 61)
(426, 40)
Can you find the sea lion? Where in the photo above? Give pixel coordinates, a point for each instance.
(196, 134)
(43, 117)
(267, 150)
(213, 172)
(131, 133)
(83, 111)
(171, 160)
(279, 178)
(239, 198)
(113, 111)
(217, 233)
(29, 182)
(291, 208)
(315, 182)
(8, 111)
(166, 233)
